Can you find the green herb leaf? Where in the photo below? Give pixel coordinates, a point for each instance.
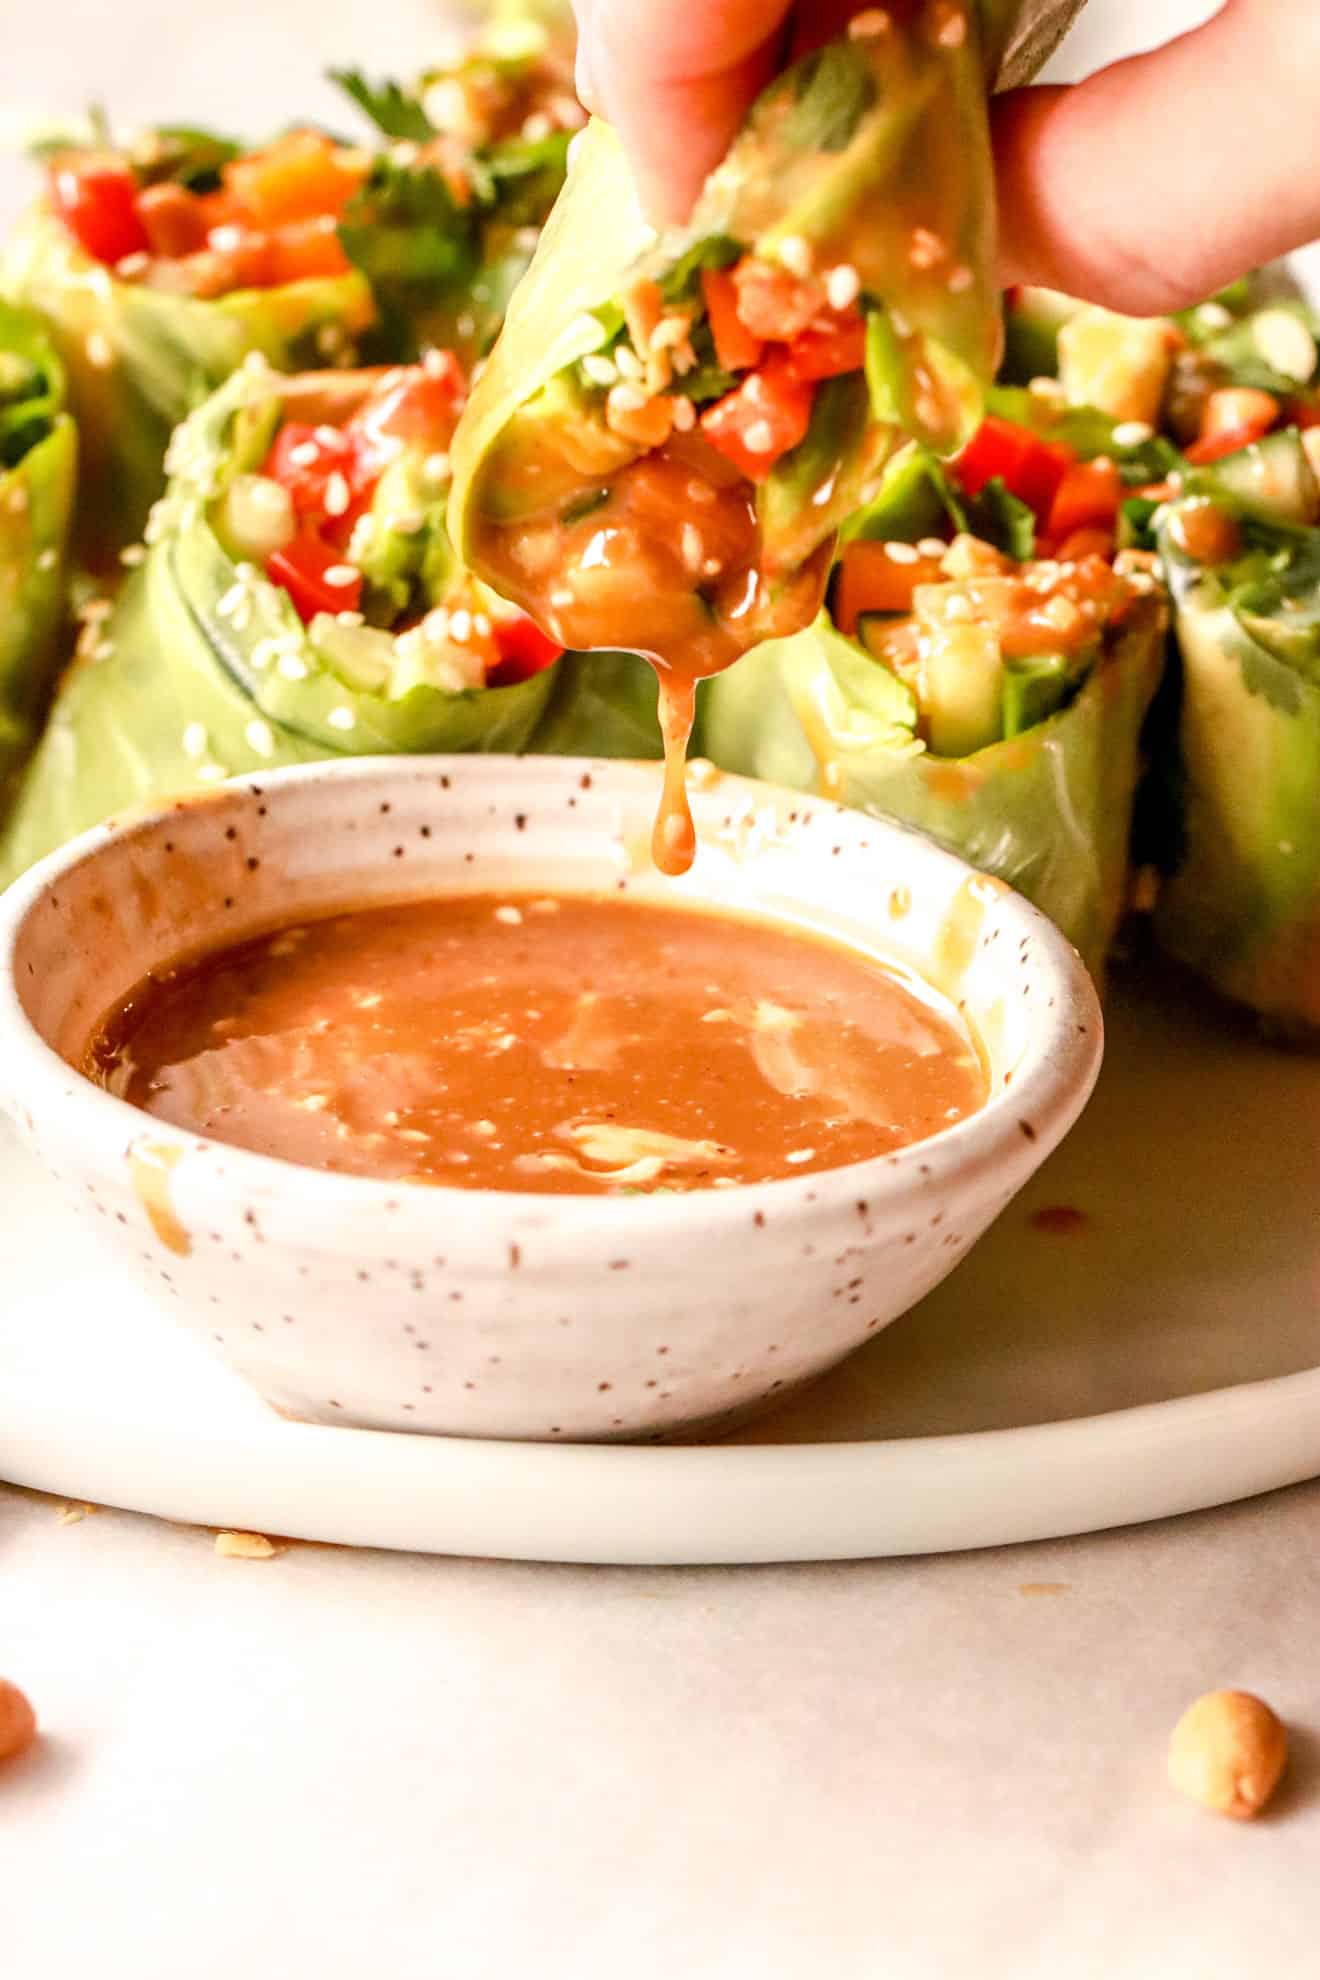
(833, 90)
(998, 517)
(394, 111)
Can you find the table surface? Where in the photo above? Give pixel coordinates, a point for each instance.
(336, 1764)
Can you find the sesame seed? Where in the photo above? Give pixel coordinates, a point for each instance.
(629, 364)
(537, 126)
(327, 436)
(800, 1155)
(626, 399)
(305, 454)
(1213, 316)
(351, 619)
(952, 31)
(211, 773)
(100, 352)
(901, 553)
(957, 609)
(511, 915)
(340, 575)
(932, 546)
(926, 248)
(261, 737)
(759, 437)
(194, 740)
(337, 495)
(599, 369)
(225, 239)
(843, 285)
(342, 718)
(1133, 433)
(960, 279)
(694, 550)
(291, 667)
(685, 415)
(795, 254)
(460, 626)
(670, 330)
(132, 266)
(48, 559)
(481, 623)
(263, 653)
(874, 21)
(561, 598)
(435, 470)
(132, 554)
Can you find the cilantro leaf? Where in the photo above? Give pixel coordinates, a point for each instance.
(394, 111)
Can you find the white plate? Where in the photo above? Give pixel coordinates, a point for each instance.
(1155, 1359)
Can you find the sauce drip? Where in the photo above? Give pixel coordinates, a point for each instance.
(674, 840)
(567, 1044)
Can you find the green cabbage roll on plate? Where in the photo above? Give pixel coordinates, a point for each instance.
(38, 473)
(299, 599)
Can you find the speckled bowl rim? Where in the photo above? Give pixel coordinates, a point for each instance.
(1050, 1086)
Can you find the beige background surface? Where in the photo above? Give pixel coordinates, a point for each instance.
(338, 1766)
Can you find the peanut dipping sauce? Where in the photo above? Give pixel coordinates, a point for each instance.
(571, 1044)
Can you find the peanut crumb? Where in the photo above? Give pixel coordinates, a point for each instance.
(244, 1546)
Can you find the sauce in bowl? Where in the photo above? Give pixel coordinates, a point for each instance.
(569, 1043)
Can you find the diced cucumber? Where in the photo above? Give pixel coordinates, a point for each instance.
(1033, 690)
(1279, 339)
(961, 683)
(1272, 479)
(1118, 364)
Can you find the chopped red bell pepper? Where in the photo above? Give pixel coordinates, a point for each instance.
(1216, 445)
(1029, 467)
(303, 458)
(762, 419)
(736, 347)
(1088, 497)
(831, 346)
(420, 408)
(304, 568)
(871, 579)
(774, 303)
(95, 195)
(524, 651)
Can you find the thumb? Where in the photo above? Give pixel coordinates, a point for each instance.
(676, 82)
(1159, 179)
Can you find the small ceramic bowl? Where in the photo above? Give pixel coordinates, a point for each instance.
(344, 1300)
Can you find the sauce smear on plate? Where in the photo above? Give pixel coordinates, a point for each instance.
(563, 1043)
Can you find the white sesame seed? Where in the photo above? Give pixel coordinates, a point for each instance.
(211, 773)
(957, 608)
(960, 279)
(194, 740)
(260, 737)
(1133, 433)
(132, 554)
(795, 254)
(685, 415)
(670, 330)
(341, 718)
(460, 626)
(305, 454)
(629, 364)
(694, 550)
(511, 915)
(800, 1155)
(626, 399)
(100, 352)
(901, 553)
(926, 248)
(263, 653)
(599, 369)
(481, 625)
(327, 435)
(132, 266)
(562, 598)
(952, 31)
(48, 559)
(759, 437)
(843, 285)
(932, 546)
(350, 619)
(537, 126)
(225, 239)
(1213, 316)
(340, 575)
(291, 667)
(435, 470)
(874, 21)
(338, 495)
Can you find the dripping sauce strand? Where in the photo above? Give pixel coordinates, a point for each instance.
(674, 839)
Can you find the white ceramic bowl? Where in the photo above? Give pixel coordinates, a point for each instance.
(344, 1300)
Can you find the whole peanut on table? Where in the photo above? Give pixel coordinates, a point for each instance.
(1227, 1752)
(18, 1721)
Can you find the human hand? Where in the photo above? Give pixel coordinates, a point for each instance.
(1145, 187)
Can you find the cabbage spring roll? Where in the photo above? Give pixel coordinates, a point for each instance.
(299, 599)
(38, 470)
